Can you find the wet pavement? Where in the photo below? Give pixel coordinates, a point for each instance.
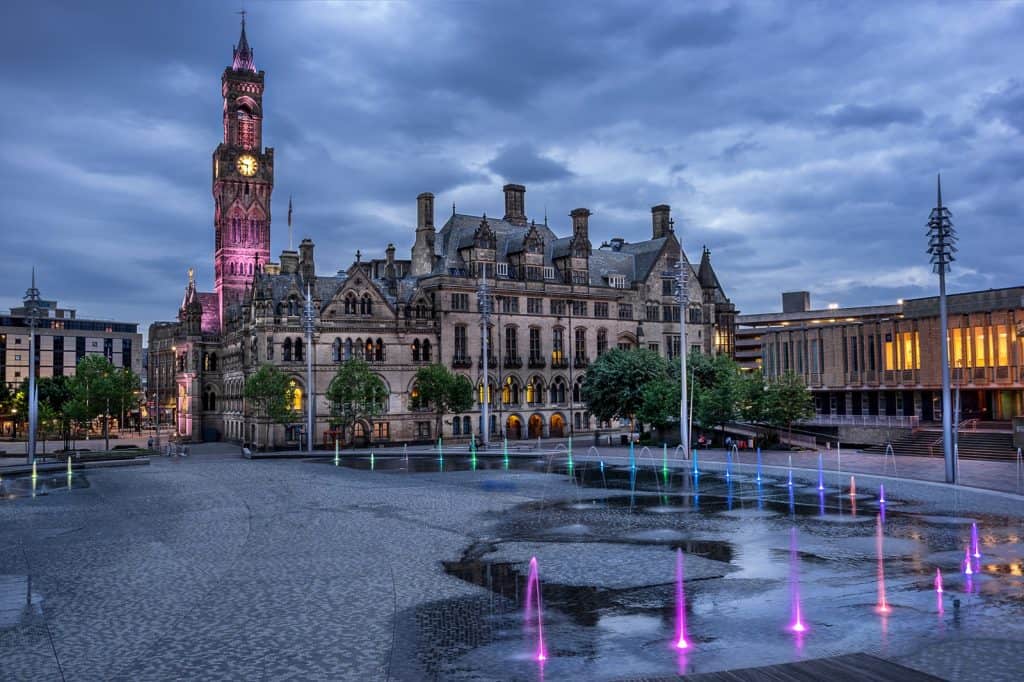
(395, 568)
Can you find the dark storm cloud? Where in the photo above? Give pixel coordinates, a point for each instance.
(877, 116)
(798, 141)
(522, 163)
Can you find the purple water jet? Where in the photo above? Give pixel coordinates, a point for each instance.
(975, 550)
(681, 640)
(797, 624)
(883, 603)
(938, 581)
(881, 494)
(532, 596)
(968, 569)
(821, 479)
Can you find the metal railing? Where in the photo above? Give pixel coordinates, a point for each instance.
(898, 421)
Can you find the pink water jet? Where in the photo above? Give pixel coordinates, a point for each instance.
(532, 596)
(883, 603)
(938, 581)
(681, 641)
(797, 625)
(881, 494)
(853, 486)
(968, 570)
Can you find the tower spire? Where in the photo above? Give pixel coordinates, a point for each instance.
(242, 54)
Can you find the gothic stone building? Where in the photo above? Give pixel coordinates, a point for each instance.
(557, 303)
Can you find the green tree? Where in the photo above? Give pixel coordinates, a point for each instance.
(613, 387)
(788, 400)
(355, 394)
(97, 388)
(659, 404)
(272, 394)
(443, 391)
(716, 391)
(54, 394)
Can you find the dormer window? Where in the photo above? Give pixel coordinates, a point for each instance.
(502, 269)
(617, 281)
(549, 272)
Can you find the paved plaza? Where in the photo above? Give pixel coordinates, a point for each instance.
(217, 567)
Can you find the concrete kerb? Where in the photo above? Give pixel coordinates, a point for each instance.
(52, 467)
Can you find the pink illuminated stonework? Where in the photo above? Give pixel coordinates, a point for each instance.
(243, 180)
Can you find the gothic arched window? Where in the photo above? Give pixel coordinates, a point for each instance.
(299, 350)
(286, 350)
(416, 350)
(425, 350)
(366, 305)
(379, 351)
(336, 351)
(348, 349)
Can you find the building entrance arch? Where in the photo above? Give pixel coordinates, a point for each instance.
(514, 427)
(536, 426)
(557, 426)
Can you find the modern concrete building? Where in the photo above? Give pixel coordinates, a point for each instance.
(882, 364)
(63, 339)
(558, 303)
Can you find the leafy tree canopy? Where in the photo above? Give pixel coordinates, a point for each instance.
(613, 386)
(355, 393)
(442, 390)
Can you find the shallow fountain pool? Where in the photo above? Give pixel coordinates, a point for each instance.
(606, 558)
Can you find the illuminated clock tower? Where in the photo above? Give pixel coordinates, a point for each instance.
(243, 179)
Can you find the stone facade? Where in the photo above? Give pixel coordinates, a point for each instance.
(886, 360)
(558, 303)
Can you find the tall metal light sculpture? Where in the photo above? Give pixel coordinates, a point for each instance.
(32, 308)
(309, 323)
(942, 247)
(484, 304)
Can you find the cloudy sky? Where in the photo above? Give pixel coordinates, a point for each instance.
(798, 141)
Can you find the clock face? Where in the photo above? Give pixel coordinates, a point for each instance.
(247, 165)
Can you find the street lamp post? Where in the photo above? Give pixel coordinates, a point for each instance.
(484, 304)
(310, 391)
(682, 278)
(32, 304)
(942, 247)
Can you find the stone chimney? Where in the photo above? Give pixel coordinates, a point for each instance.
(661, 217)
(289, 262)
(307, 268)
(515, 204)
(423, 248)
(389, 263)
(580, 222)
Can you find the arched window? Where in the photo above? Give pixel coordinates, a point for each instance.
(366, 305)
(296, 392)
(359, 348)
(270, 349)
(293, 306)
(416, 350)
(379, 351)
(350, 303)
(467, 425)
(602, 341)
(480, 393)
(348, 349)
(535, 391)
(510, 391)
(577, 388)
(415, 399)
(558, 390)
(368, 353)
(299, 354)
(425, 348)
(457, 426)
(577, 421)
(336, 351)
(286, 352)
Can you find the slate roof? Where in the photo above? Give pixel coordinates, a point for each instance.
(634, 261)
